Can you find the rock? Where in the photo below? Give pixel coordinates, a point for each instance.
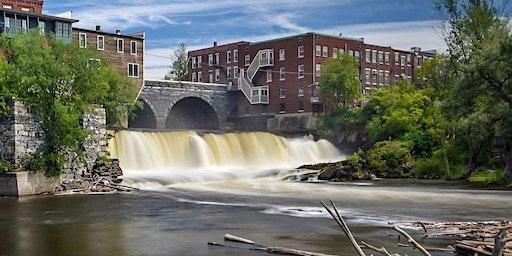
(343, 171)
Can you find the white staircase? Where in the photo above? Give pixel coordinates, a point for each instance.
(256, 94)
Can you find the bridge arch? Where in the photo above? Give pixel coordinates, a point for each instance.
(145, 117)
(192, 111)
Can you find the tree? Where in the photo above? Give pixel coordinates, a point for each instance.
(339, 81)
(479, 46)
(179, 66)
(60, 82)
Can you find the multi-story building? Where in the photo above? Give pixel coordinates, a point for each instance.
(18, 16)
(124, 51)
(35, 6)
(281, 76)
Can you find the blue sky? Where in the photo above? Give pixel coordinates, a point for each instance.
(399, 23)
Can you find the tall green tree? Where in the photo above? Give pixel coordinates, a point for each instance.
(179, 66)
(60, 82)
(339, 83)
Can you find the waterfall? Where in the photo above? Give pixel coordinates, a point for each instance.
(185, 155)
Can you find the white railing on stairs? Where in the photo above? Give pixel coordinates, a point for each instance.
(256, 94)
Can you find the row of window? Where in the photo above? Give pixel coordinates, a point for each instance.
(100, 43)
(22, 8)
(323, 51)
(231, 72)
(132, 68)
(282, 107)
(381, 77)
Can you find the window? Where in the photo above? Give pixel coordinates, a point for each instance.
(282, 108)
(264, 92)
(408, 59)
(386, 78)
(217, 58)
(133, 70)
(300, 51)
(325, 51)
(351, 53)
(94, 63)
(374, 56)
(282, 74)
(229, 56)
(282, 54)
(194, 62)
(255, 93)
(25, 9)
(194, 76)
(402, 61)
(301, 106)
(210, 59)
(318, 50)
(120, 45)
(375, 73)
(300, 71)
(419, 61)
(381, 77)
(397, 58)
(381, 57)
(217, 75)
(367, 77)
(100, 41)
(210, 75)
(269, 75)
(62, 29)
(318, 70)
(42, 27)
(200, 76)
(7, 7)
(247, 60)
(335, 53)
(82, 40)
(199, 61)
(301, 92)
(235, 56)
(357, 55)
(368, 56)
(282, 93)
(133, 48)
(228, 72)
(235, 71)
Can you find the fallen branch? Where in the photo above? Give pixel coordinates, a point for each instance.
(288, 251)
(381, 250)
(412, 241)
(500, 240)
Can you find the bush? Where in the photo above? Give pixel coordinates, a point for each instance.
(487, 177)
(5, 167)
(390, 158)
(429, 168)
(357, 158)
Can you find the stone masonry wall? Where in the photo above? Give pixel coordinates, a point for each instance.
(21, 135)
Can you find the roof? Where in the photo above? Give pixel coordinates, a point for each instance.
(33, 14)
(309, 34)
(139, 35)
(221, 45)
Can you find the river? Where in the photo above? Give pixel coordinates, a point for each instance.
(183, 207)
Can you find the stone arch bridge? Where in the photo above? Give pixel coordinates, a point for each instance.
(181, 105)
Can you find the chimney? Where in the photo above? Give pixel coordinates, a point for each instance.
(214, 44)
(118, 31)
(416, 49)
(98, 28)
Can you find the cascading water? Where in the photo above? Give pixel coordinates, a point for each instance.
(171, 157)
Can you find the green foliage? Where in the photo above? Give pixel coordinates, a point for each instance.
(487, 177)
(5, 167)
(429, 168)
(61, 83)
(357, 158)
(179, 66)
(340, 119)
(339, 83)
(387, 157)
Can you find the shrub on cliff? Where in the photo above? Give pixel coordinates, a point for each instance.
(60, 81)
(390, 159)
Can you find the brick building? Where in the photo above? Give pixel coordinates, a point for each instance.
(281, 76)
(35, 6)
(124, 51)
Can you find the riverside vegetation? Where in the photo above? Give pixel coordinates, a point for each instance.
(454, 122)
(61, 82)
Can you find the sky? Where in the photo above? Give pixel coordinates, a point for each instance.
(401, 24)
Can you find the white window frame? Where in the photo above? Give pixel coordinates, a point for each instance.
(325, 51)
(82, 43)
(380, 57)
(386, 58)
(211, 76)
(282, 54)
(132, 48)
(397, 59)
(210, 59)
(368, 55)
(120, 50)
(133, 69)
(282, 74)
(301, 92)
(300, 71)
(236, 72)
(318, 70)
(357, 55)
(368, 76)
(269, 75)
(229, 57)
(217, 59)
(334, 53)
(318, 50)
(282, 93)
(374, 56)
(102, 48)
(247, 60)
(199, 61)
(300, 51)
(194, 77)
(217, 75)
(194, 62)
(235, 56)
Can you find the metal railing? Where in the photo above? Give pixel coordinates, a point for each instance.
(264, 58)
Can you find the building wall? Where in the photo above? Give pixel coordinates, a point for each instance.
(119, 60)
(30, 5)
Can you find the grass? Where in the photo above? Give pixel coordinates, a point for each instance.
(488, 177)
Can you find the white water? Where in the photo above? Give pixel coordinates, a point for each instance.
(177, 157)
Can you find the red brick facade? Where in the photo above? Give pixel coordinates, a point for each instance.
(23, 5)
(293, 79)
